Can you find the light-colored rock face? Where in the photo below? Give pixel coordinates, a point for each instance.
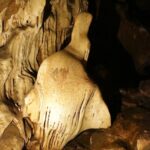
(20, 23)
(64, 101)
(30, 31)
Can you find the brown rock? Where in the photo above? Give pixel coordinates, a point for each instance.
(144, 88)
(143, 141)
(136, 40)
(130, 131)
(137, 97)
(11, 138)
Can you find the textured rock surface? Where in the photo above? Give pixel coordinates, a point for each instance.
(61, 111)
(29, 32)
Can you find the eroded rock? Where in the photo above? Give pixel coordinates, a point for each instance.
(64, 101)
(30, 31)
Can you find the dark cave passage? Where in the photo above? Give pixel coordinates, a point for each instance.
(109, 63)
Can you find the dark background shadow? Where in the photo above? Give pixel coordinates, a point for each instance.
(109, 64)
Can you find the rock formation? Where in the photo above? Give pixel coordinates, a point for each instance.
(31, 31)
(64, 101)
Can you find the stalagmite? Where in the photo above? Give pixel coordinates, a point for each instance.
(64, 101)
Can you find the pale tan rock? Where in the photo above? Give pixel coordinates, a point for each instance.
(30, 31)
(20, 22)
(5, 69)
(64, 101)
